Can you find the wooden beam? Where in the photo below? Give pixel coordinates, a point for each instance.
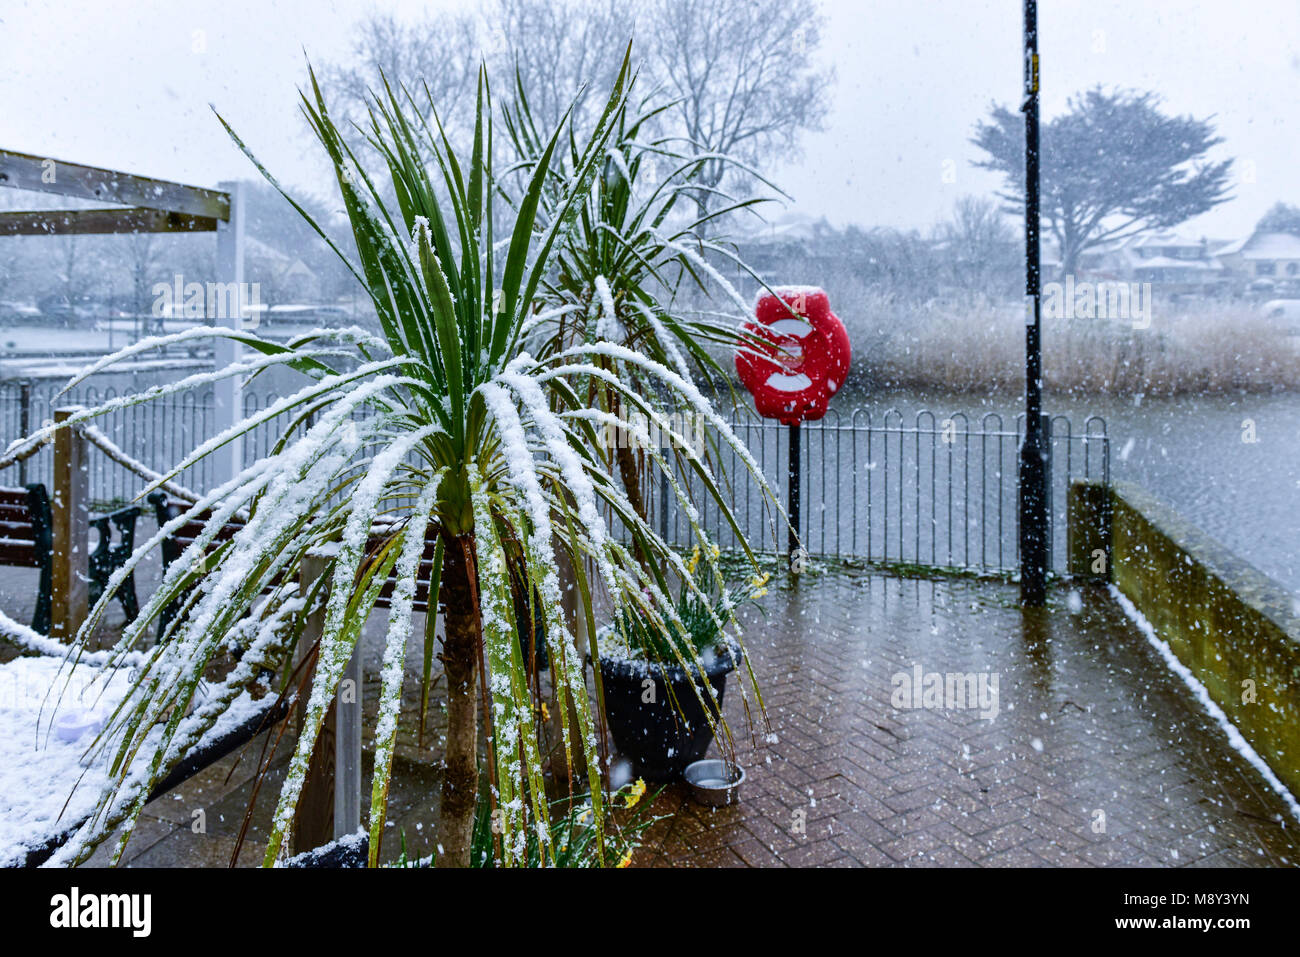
(46, 175)
(65, 222)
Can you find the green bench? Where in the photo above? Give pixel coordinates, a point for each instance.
(27, 541)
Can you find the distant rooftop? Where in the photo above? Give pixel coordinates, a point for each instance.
(1265, 246)
(787, 227)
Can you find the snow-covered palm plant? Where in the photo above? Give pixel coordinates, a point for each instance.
(621, 273)
(441, 428)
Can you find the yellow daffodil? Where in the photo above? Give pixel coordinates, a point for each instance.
(695, 560)
(626, 859)
(637, 791)
(715, 551)
(546, 712)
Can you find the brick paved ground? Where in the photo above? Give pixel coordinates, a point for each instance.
(1090, 721)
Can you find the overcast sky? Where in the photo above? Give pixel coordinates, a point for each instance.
(127, 85)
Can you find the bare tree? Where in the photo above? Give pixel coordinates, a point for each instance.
(981, 253)
(140, 252)
(440, 50)
(14, 256)
(561, 48)
(72, 276)
(745, 75)
(743, 72)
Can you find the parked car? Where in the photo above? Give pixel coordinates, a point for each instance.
(1287, 313)
(1281, 309)
(171, 316)
(59, 310)
(305, 314)
(14, 313)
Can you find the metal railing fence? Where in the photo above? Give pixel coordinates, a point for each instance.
(933, 489)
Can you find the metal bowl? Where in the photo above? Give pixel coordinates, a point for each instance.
(713, 782)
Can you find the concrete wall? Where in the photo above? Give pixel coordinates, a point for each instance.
(1235, 628)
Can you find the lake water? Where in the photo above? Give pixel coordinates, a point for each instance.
(1196, 453)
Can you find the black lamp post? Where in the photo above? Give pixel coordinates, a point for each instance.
(1033, 451)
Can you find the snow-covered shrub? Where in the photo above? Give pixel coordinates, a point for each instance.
(444, 426)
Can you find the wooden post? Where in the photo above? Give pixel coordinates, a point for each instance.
(71, 531)
(313, 821)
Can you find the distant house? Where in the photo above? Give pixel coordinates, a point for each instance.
(1049, 256)
(284, 278)
(767, 247)
(1174, 263)
(1264, 261)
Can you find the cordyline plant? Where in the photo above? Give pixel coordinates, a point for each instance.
(441, 428)
(618, 273)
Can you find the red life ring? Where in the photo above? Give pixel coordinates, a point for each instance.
(793, 366)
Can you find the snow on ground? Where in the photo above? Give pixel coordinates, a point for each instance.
(66, 368)
(42, 340)
(42, 758)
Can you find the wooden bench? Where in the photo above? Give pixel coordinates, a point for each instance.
(26, 541)
(421, 602)
(166, 509)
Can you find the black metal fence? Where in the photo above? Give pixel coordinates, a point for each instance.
(938, 490)
(935, 490)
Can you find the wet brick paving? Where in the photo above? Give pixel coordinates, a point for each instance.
(1091, 723)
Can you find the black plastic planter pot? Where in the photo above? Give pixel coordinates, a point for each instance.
(659, 737)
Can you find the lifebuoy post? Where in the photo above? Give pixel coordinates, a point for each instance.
(794, 357)
(793, 490)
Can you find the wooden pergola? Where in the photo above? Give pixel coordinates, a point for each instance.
(331, 799)
(143, 205)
